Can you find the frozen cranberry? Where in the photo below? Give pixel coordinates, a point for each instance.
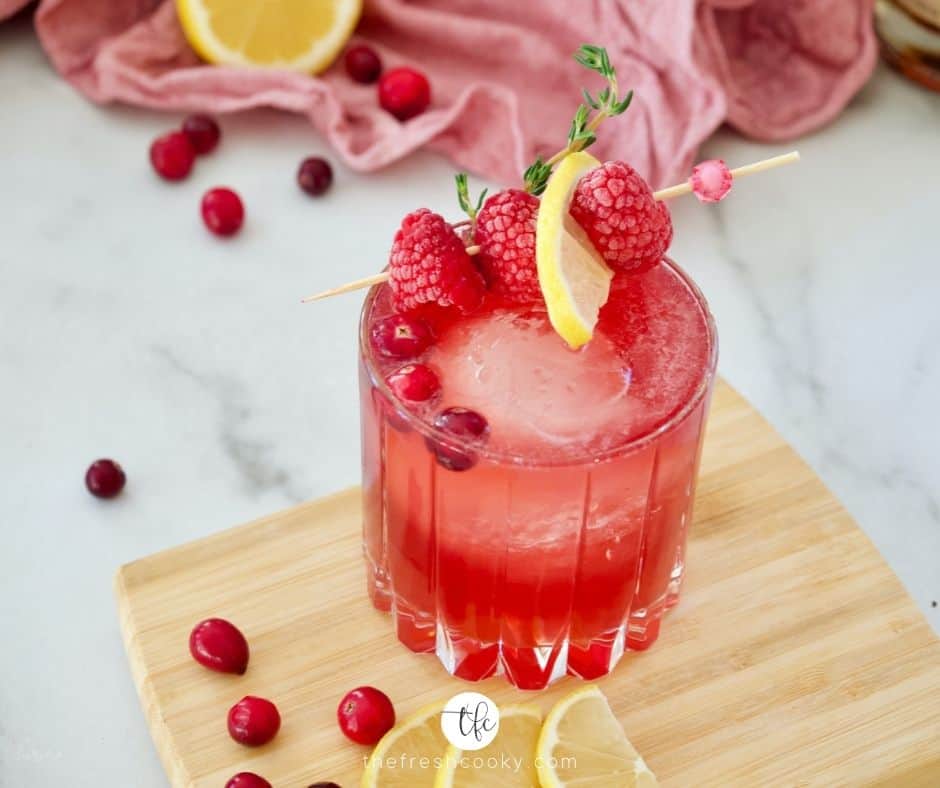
(253, 721)
(365, 715)
(247, 780)
(414, 383)
(203, 132)
(105, 478)
(401, 336)
(363, 64)
(461, 423)
(315, 175)
(219, 645)
(404, 92)
(222, 211)
(172, 156)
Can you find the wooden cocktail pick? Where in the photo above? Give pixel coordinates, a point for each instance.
(663, 194)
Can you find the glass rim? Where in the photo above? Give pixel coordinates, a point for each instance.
(481, 449)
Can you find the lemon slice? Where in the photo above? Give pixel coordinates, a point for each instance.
(508, 761)
(583, 745)
(574, 279)
(303, 35)
(405, 756)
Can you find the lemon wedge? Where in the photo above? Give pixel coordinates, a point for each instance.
(508, 761)
(574, 279)
(403, 756)
(303, 35)
(583, 745)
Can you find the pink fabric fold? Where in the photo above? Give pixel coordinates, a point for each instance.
(504, 84)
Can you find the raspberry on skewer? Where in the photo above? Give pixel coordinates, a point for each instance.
(505, 232)
(429, 265)
(617, 210)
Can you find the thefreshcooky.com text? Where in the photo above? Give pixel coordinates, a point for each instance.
(513, 764)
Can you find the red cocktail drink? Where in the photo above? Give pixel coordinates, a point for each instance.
(554, 539)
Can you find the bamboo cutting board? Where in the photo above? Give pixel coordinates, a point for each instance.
(794, 658)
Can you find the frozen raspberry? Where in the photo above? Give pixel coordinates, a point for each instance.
(404, 92)
(429, 265)
(414, 383)
(627, 226)
(711, 180)
(401, 336)
(506, 234)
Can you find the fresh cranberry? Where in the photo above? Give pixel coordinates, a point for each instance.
(203, 132)
(461, 423)
(365, 715)
(315, 175)
(363, 64)
(414, 383)
(247, 780)
(253, 721)
(404, 92)
(401, 336)
(105, 478)
(219, 645)
(222, 211)
(323, 785)
(172, 156)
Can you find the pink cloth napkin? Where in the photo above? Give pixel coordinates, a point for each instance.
(504, 84)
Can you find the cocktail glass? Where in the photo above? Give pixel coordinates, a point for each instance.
(563, 544)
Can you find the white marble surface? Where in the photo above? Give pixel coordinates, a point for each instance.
(127, 331)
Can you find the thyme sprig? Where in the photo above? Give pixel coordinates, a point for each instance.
(582, 134)
(463, 197)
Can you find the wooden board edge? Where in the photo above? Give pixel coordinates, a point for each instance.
(126, 572)
(159, 732)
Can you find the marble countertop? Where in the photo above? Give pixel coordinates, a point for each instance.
(127, 331)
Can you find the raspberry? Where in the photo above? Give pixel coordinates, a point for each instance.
(506, 235)
(627, 226)
(429, 265)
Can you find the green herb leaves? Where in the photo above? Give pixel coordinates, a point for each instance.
(536, 176)
(463, 196)
(606, 104)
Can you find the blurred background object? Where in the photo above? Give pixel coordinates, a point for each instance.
(910, 38)
(771, 69)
